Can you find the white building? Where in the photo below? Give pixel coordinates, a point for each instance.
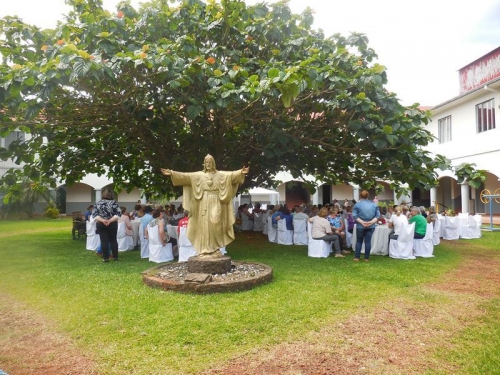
(466, 132)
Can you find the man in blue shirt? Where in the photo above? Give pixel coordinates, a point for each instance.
(276, 213)
(366, 215)
(146, 219)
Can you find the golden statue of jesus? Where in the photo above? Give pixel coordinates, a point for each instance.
(207, 195)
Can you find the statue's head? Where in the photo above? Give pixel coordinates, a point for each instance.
(209, 164)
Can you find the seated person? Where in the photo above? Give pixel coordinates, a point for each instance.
(389, 213)
(299, 214)
(337, 224)
(432, 217)
(276, 212)
(183, 223)
(126, 219)
(321, 230)
(350, 220)
(287, 216)
(397, 220)
(420, 222)
(88, 213)
(422, 211)
(257, 209)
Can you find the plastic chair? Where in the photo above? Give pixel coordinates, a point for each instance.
(402, 248)
(423, 247)
(246, 222)
(258, 223)
(186, 249)
(285, 236)
(436, 233)
(451, 228)
(93, 239)
(471, 230)
(144, 243)
(125, 243)
(265, 226)
(300, 236)
(348, 236)
(158, 253)
(272, 233)
(317, 248)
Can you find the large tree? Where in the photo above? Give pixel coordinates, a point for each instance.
(128, 92)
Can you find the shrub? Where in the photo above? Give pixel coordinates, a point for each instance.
(52, 213)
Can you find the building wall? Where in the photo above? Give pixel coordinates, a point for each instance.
(467, 145)
(342, 192)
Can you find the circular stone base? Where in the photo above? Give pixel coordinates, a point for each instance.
(176, 277)
(211, 266)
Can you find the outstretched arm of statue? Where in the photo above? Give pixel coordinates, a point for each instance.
(245, 170)
(166, 172)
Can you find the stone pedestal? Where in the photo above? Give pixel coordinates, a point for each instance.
(211, 266)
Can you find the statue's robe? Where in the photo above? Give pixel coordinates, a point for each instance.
(208, 198)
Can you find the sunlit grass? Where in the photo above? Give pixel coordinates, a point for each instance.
(130, 327)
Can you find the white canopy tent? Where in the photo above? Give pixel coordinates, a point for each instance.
(257, 195)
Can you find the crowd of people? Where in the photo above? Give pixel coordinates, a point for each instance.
(108, 215)
(331, 222)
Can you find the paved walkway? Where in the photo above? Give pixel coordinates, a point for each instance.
(486, 219)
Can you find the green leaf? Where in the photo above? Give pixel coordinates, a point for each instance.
(387, 129)
(81, 67)
(273, 73)
(193, 111)
(30, 81)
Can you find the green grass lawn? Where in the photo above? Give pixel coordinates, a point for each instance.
(131, 328)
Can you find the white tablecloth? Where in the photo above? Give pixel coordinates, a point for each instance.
(135, 231)
(380, 240)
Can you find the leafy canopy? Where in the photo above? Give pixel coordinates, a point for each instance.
(129, 92)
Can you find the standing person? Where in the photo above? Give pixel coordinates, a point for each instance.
(106, 213)
(366, 214)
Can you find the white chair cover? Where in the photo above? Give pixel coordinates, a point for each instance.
(348, 236)
(125, 243)
(157, 252)
(402, 248)
(285, 236)
(272, 233)
(264, 221)
(317, 248)
(436, 233)
(451, 228)
(246, 223)
(479, 220)
(470, 230)
(258, 223)
(300, 232)
(144, 243)
(93, 239)
(424, 247)
(186, 249)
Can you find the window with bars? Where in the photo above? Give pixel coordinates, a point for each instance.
(485, 116)
(444, 129)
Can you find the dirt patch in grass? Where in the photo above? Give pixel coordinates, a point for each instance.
(31, 345)
(400, 336)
